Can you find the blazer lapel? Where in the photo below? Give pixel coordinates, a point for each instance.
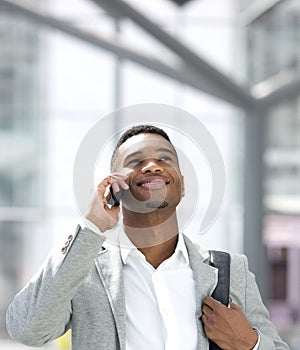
(206, 279)
(109, 266)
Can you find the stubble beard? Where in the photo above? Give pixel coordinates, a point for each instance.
(157, 204)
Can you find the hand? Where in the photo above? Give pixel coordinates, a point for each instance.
(227, 326)
(100, 213)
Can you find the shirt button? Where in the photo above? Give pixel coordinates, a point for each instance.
(165, 311)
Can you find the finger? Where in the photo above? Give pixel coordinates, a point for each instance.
(117, 183)
(119, 176)
(206, 310)
(107, 197)
(104, 183)
(204, 318)
(102, 189)
(211, 302)
(113, 209)
(234, 306)
(124, 185)
(115, 186)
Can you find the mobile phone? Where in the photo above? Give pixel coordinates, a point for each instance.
(115, 197)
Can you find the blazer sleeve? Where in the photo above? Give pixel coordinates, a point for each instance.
(42, 310)
(244, 291)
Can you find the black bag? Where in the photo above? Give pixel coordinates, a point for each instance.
(221, 261)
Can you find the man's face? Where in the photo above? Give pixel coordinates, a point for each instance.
(154, 176)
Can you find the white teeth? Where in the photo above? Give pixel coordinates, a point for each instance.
(158, 182)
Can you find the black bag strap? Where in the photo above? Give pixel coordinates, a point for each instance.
(220, 260)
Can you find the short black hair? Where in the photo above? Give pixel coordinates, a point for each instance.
(136, 130)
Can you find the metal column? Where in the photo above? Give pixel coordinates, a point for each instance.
(253, 196)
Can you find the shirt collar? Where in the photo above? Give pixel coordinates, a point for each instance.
(181, 247)
(127, 247)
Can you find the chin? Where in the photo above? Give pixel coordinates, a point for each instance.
(157, 204)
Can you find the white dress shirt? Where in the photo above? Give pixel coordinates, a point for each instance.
(160, 303)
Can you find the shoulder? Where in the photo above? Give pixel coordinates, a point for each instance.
(239, 262)
(238, 270)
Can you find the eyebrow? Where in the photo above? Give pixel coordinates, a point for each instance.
(132, 155)
(161, 149)
(165, 150)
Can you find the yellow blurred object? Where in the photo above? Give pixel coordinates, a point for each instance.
(64, 342)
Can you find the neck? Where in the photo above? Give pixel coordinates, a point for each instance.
(155, 255)
(154, 234)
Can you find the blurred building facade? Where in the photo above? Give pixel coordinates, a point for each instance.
(272, 33)
(21, 144)
(51, 84)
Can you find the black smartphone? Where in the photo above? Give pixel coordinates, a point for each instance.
(115, 197)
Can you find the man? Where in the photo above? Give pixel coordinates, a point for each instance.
(151, 288)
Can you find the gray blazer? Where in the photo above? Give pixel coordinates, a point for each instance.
(80, 286)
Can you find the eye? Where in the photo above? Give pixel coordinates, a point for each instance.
(135, 161)
(164, 158)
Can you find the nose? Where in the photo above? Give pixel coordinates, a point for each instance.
(152, 166)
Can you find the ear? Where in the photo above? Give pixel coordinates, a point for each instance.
(182, 186)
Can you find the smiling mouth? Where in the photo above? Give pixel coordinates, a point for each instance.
(155, 183)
